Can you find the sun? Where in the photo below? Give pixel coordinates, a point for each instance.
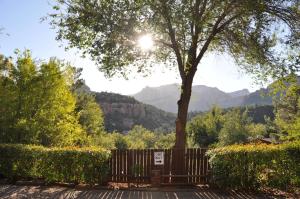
(145, 42)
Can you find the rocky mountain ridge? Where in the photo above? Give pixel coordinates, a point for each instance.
(202, 99)
(123, 112)
(155, 107)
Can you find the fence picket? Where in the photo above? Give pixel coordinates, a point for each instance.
(134, 165)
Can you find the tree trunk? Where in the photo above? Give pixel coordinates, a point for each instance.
(178, 165)
(183, 105)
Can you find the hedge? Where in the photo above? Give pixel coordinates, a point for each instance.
(69, 165)
(254, 166)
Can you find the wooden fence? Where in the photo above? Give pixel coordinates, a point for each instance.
(135, 165)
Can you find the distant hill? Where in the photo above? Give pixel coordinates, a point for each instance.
(239, 93)
(123, 112)
(256, 113)
(259, 97)
(163, 97)
(203, 97)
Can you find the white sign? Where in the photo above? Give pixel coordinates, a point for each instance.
(159, 158)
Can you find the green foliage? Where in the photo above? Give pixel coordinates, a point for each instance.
(104, 140)
(90, 114)
(8, 97)
(164, 141)
(234, 128)
(37, 105)
(250, 30)
(204, 129)
(262, 36)
(287, 107)
(259, 113)
(140, 138)
(256, 130)
(224, 127)
(91, 117)
(71, 165)
(253, 166)
(121, 142)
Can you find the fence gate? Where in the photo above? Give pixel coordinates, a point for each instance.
(137, 165)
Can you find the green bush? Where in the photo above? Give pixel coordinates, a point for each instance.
(254, 166)
(71, 165)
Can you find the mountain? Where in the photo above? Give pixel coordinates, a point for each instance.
(239, 93)
(163, 97)
(123, 112)
(202, 99)
(259, 97)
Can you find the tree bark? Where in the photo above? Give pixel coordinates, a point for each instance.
(183, 105)
(178, 166)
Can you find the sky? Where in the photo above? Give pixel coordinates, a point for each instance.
(23, 29)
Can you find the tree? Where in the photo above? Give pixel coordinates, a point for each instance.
(204, 129)
(90, 114)
(224, 127)
(183, 32)
(140, 138)
(91, 117)
(121, 142)
(235, 129)
(287, 106)
(40, 105)
(8, 99)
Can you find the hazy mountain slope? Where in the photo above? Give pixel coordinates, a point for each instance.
(202, 99)
(239, 93)
(164, 97)
(256, 113)
(259, 97)
(123, 112)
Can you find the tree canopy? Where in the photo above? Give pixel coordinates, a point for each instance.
(38, 105)
(108, 30)
(287, 107)
(261, 35)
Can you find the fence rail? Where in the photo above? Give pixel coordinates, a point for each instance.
(136, 165)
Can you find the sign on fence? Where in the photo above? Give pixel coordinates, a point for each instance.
(159, 158)
(146, 165)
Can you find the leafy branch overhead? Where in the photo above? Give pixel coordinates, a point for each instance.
(263, 34)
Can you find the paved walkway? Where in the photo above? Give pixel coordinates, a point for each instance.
(12, 191)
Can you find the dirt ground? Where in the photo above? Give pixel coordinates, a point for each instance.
(17, 191)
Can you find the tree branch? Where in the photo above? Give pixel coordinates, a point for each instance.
(215, 30)
(175, 46)
(164, 43)
(192, 52)
(202, 10)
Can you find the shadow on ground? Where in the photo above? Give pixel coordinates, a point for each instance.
(13, 191)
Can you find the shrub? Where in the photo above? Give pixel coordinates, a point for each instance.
(72, 165)
(253, 166)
